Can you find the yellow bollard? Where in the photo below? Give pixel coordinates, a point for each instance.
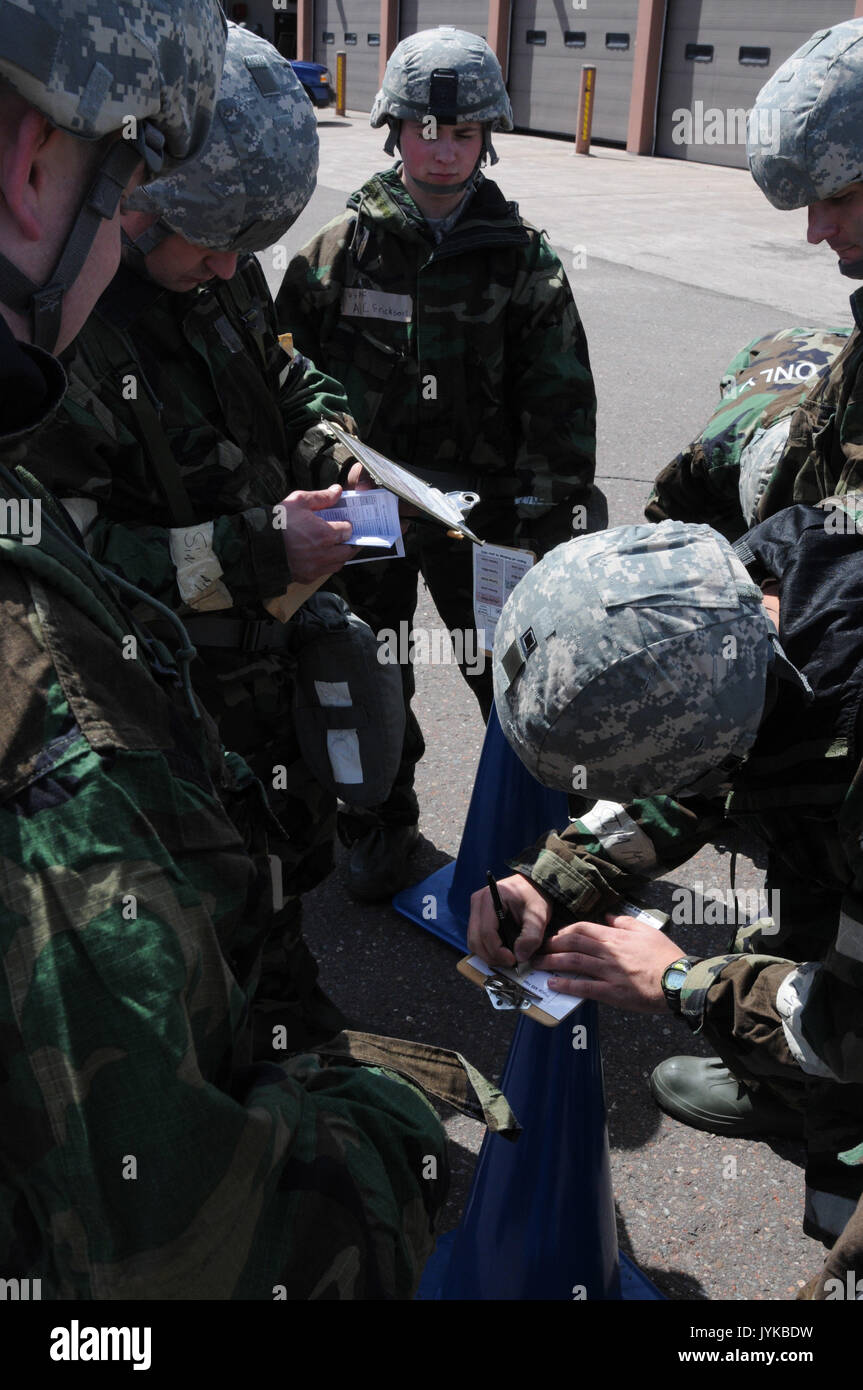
(341, 64)
(586, 96)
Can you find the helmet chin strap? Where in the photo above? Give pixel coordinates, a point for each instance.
(136, 249)
(44, 303)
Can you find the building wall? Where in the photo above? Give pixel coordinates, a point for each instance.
(354, 27)
(715, 56)
(549, 45)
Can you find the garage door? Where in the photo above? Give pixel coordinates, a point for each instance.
(716, 57)
(550, 42)
(471, 15)
(354, 27)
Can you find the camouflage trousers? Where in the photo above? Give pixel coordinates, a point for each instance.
(250, 699)
(831, 1111)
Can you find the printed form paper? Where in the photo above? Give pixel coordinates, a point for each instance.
(560, 1005)
(496, 571)
(374, 516)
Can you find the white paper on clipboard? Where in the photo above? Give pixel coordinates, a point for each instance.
(560, 1006)
(496, 571)
(557, 1005)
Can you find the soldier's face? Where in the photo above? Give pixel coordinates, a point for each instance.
(178, 265)
(436, 161)
(839, 222)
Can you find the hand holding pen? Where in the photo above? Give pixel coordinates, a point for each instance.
(489, 931)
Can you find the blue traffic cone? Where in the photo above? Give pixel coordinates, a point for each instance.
(539, 1220)
(508, 810)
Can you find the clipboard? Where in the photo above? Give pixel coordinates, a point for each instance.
(532, 1010)
(479, 973)
(387, 474)
(406, 485)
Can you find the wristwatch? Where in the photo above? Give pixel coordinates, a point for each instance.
(673, 977)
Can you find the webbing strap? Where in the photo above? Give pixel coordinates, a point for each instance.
(45, 303)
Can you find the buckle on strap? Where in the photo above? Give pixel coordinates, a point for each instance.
(237, 634)
(262, 635)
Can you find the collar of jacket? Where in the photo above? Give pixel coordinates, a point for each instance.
(857, 307)
(34, 383)
(128, 296)
(488, 219)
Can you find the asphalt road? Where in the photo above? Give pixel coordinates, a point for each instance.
(704, 1217)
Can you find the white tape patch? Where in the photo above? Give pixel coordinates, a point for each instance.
(375, 304)
(198, 569)
(343, 745)
(624, 841)
(791, 998)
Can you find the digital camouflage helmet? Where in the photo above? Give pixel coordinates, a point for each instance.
(146, 69)
(258, 168)
(634, 661)
(813, 107)
(446, 73)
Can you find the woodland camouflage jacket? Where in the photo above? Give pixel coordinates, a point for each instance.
(824, 454)
(721, 477)
(204, 374)
(464, 356)
(143, 1154)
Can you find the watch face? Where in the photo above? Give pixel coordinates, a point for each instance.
(675, 975)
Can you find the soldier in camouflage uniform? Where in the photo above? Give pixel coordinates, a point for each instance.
(722, 476)
(771, 438)
(644, 656)
(143, 1157)
(184, 423)
(451, 326)
(817, 96)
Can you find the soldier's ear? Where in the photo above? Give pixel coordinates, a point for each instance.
(28, 153)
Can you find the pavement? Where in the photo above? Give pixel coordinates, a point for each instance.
(674, 267)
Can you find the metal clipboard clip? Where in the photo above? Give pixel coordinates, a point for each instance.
(509, 994)
(465, 501)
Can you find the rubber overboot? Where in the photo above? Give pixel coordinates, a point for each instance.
(703, 1093)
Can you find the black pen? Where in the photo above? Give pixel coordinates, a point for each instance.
(506, 924)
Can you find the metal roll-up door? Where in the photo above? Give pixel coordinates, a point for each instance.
(716, 57)
(354, 27)
(550, 42)
(471, 15)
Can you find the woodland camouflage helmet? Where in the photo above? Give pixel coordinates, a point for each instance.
(146, 69)
(812, 107)
(258, 168)
(446, 73)
(639, 655)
